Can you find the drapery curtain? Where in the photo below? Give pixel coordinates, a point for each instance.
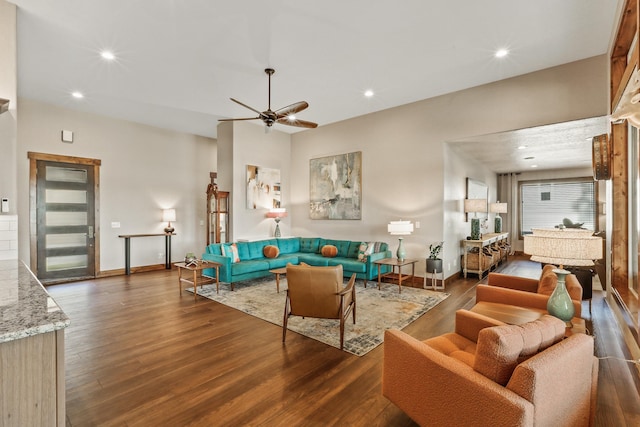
(507, 192)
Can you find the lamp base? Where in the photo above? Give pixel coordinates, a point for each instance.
(169, 230)
(276, 233)
(475, 228)
(497, 224)
(400, 253)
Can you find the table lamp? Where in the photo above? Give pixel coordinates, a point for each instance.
(400, 228)
(497, 208)
(562, 247)
(277, 214)
(474, 206)
(169, 215)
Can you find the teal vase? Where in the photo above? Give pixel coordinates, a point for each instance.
(475, 228)
(401, 254)
(560, 304)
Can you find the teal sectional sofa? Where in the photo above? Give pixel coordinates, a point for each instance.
(253, 263)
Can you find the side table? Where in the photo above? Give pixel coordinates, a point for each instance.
(198, 278)
(396, 263)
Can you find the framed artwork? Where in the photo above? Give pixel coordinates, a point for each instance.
(263, 187)
(477, 190)
(335, 187)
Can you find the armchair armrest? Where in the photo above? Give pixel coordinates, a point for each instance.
(469, 324)
(518, 298)
(513, 282)
(416, 378)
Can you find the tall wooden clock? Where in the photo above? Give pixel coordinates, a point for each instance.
(217, 213)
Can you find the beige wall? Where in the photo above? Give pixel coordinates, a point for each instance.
(144, 169)
(241, 144)
(8, 90)
(408, 172)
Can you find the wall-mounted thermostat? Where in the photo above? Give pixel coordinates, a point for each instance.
(5, 205)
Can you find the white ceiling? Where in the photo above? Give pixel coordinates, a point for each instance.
(179, 61)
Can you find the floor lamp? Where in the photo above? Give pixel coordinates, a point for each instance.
(574, 247)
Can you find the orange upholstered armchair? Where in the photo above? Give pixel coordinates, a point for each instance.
(525, 292)
(486, 375)
(319, 292)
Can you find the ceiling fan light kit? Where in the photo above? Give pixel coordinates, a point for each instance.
(283, 115)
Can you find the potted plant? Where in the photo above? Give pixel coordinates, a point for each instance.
(434, 264)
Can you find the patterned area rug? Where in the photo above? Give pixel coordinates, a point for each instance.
(377, 310)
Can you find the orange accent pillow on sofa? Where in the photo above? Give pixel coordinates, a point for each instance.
(329, 251)
(271, 251)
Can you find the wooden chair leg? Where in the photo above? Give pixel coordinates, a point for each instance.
(341, 332)
(286, 318)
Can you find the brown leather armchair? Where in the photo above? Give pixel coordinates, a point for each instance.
(319, 292)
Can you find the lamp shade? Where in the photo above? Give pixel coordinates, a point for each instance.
(277, 213)
(168, 215)
(563, 247)
(400, 228)
(498, 207)
(475, 205)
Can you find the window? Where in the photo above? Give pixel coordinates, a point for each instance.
(546, 204)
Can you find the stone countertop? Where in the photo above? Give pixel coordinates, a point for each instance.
(26, 308)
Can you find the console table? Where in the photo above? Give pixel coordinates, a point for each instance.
(492, 241)
(127, 249)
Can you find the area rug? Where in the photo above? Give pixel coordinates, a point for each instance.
(377, 310)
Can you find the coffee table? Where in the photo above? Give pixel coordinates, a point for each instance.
(278, 272)
(395, 262)
(198, 278)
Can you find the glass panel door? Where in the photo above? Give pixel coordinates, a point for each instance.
(65, 220)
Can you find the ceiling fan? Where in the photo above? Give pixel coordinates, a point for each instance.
(285, 115)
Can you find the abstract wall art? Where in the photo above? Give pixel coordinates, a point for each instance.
(263, 187)
(335, 187)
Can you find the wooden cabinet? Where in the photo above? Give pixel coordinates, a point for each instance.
(485, 253)
(217, 214)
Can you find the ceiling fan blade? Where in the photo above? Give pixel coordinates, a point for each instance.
(246, 106)
(244, 118)
(298, 123)
(291, 109)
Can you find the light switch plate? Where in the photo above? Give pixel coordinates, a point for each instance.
(67, 136)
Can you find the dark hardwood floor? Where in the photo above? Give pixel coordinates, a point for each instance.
(139, 353)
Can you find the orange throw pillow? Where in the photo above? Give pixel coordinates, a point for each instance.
(329, 251)
(271, 251)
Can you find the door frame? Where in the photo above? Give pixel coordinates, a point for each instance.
(33, 229)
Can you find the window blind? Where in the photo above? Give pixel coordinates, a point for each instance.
(546, 204)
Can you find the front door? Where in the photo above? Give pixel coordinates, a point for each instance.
(65, 220)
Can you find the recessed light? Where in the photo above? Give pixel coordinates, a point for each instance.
(77, 95)
(534, 166)
(501, 53)
(368, 93)
(522, 147)
(108, 55)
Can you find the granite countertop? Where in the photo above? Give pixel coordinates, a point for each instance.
(26, 308)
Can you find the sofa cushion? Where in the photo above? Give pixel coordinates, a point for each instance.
(455, 346)
(497, 352)
(310, 245)
(215, 249)
(256, 249)
(329, 251)
(354, 249)
(289, 245)
(271, 251)
(243, 250)
(501, 348)
(349, 265)
(250, 266)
